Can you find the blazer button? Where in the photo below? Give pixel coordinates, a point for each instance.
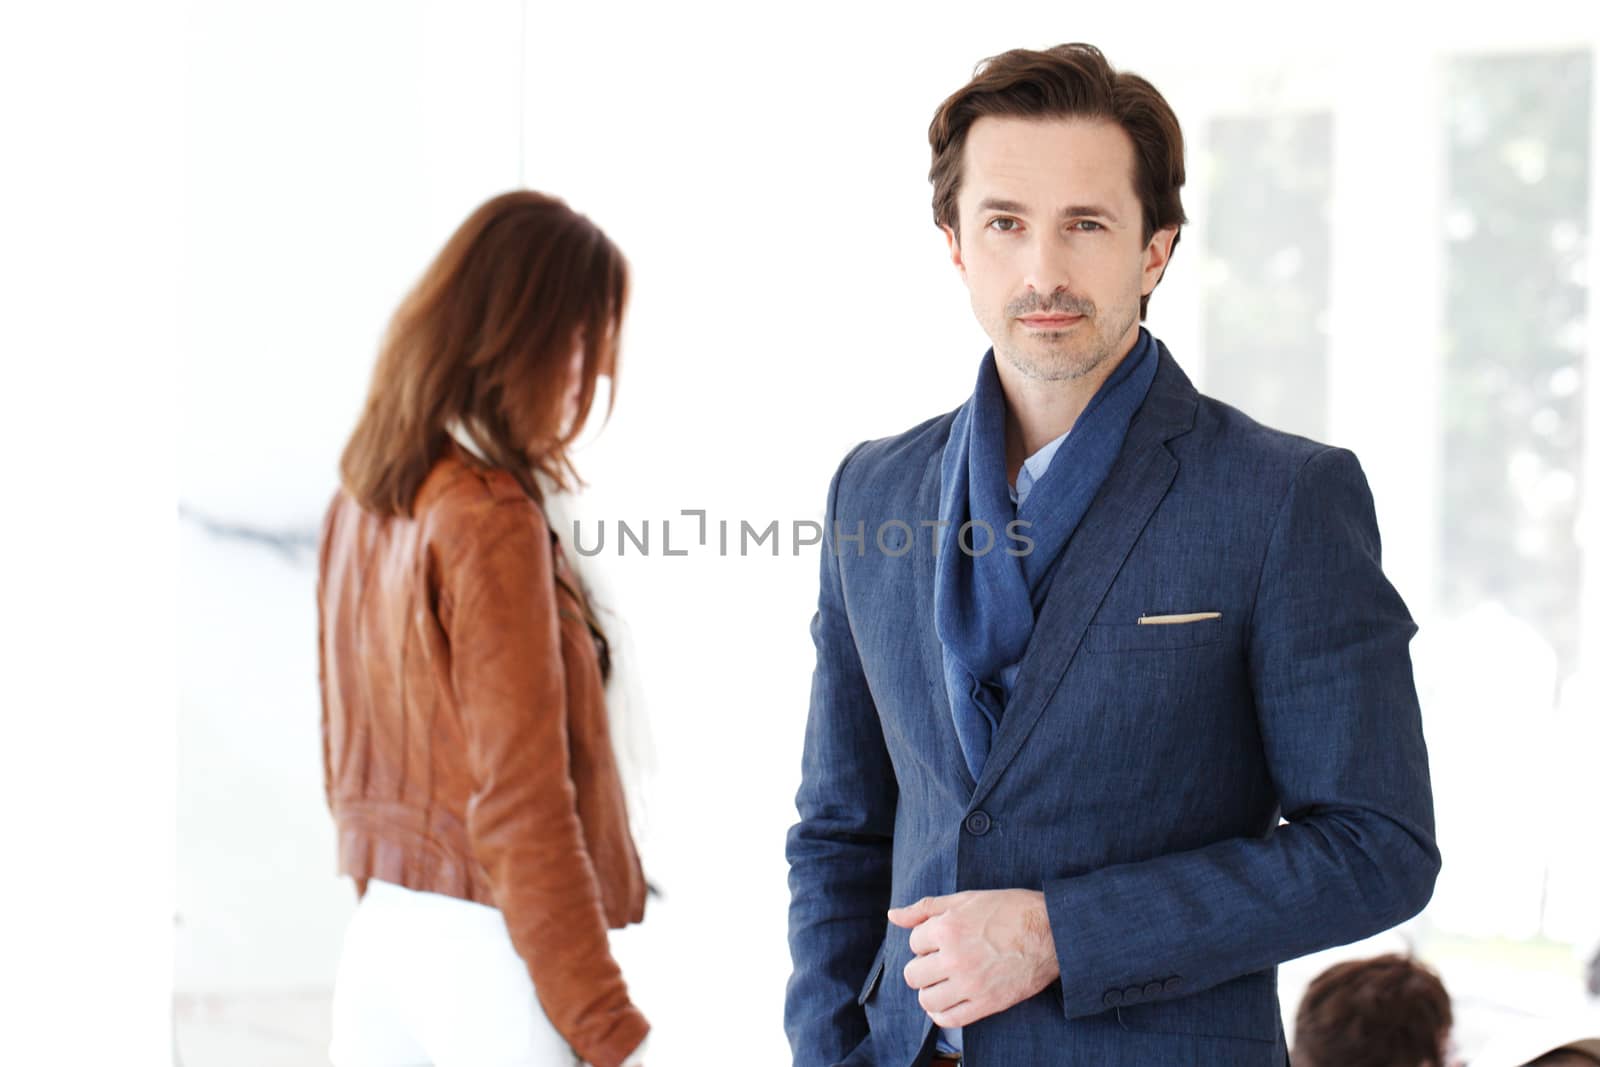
(1152, 989)
(978, 823)
(1171, 983)
(1132, 995)
(1113, 997)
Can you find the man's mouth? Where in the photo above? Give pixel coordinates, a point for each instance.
(1052, 321)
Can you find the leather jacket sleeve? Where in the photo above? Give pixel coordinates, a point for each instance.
(498, 599)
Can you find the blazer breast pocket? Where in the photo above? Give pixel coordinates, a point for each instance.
(1136, 637)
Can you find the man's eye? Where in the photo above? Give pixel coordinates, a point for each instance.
(1087, 225)
(1003, 225)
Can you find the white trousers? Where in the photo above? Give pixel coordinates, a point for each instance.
(430, 979)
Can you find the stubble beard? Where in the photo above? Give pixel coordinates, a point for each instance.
(1061, 355)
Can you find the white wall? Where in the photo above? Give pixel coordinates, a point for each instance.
(89, 201)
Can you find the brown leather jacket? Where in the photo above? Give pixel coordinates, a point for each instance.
(465, 741)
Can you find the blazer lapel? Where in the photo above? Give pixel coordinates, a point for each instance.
(1141, 476)
(932, 651)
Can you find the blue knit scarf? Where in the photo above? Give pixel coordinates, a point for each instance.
(985, 602)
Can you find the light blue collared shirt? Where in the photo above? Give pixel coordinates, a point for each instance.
(1033, 469)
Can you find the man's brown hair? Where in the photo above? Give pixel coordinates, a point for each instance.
(1067, 81)
(484, 342)
(1388, 1011)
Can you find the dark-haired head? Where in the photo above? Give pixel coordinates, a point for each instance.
(1389, 1011)
(1069, 81)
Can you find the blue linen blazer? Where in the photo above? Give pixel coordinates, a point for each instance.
(1139, 773)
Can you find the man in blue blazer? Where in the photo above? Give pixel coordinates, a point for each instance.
(1113, 707)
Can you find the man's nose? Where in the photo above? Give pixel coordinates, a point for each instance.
(1047, 268)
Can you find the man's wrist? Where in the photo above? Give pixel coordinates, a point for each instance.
(1036, 924)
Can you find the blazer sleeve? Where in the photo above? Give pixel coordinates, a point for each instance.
(1330, 674)
(522, 818)
(840, 852)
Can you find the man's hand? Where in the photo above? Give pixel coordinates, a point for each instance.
(978, 953)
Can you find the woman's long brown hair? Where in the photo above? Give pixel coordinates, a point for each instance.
(485, 340)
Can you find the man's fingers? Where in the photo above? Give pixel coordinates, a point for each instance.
(941, 997)
(921, 911)
(963, 1013)
(924, 971)
(925, 938)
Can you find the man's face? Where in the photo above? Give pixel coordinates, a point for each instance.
(1051, 242)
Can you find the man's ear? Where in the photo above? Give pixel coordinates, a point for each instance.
(955, 249)
(1156, 255)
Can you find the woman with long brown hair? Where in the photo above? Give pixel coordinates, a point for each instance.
(466, 750)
